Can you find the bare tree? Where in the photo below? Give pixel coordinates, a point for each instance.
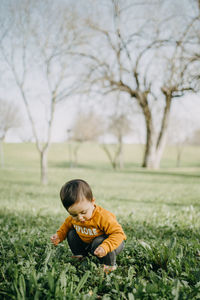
(175, 84)
(195, 138)
(35, 51)
(10, 118)
(192, 48)
(182, 75)
(87, 127)
(131, 58)
(119, 127)
(177, 136)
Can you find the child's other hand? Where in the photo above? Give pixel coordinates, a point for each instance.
(55, 239)
(100, 252)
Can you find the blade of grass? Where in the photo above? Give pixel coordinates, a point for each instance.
(82, 282)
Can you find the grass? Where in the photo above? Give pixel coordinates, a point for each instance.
(159, 211)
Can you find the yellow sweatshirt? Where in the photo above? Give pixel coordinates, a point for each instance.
(101, 222)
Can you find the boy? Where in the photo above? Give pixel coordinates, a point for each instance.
(89, 228)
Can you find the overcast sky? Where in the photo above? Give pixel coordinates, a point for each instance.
(187, 107)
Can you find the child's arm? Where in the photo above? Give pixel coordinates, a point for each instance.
(62, 232)
(109, 225)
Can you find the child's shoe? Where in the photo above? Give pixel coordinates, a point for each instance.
(78, 257)
(107, 269)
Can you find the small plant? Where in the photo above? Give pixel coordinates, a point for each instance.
(159, 212)
(152, 265)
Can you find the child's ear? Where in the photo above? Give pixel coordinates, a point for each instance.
(93, 200)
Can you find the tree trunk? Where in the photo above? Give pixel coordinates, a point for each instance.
(75, 154)
(43, 166)
(109, 155)
(159, 151)
(119, 157)
(2, 153)
(121, 161)
(178, 156)
(153, 149)
(162, 137)
(150, 146)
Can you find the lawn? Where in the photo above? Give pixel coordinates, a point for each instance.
(159, 211)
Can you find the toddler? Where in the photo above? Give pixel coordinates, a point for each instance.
(89, 228)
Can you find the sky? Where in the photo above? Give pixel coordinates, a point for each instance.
(186, 108)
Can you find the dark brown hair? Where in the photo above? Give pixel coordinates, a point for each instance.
(73, 191)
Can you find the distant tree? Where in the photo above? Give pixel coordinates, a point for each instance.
(195, 138)
(36, 52)
(25, 135)
(141, 54)
(119, 127)
(87, 127)
(192, 49)
(177, 136)
(10, 118)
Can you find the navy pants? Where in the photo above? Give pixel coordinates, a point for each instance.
(78, 247)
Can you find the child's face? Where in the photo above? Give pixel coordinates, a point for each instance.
(82, 210)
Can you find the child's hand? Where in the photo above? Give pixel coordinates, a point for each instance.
(100, 252)
(55, 239)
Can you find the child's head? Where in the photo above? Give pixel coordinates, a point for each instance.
(76, 196)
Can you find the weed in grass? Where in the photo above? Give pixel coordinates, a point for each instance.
(159, 211)
(152, 265)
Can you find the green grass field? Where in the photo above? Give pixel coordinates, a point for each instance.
(159, 211)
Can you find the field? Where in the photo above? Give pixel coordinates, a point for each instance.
(159, 211)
